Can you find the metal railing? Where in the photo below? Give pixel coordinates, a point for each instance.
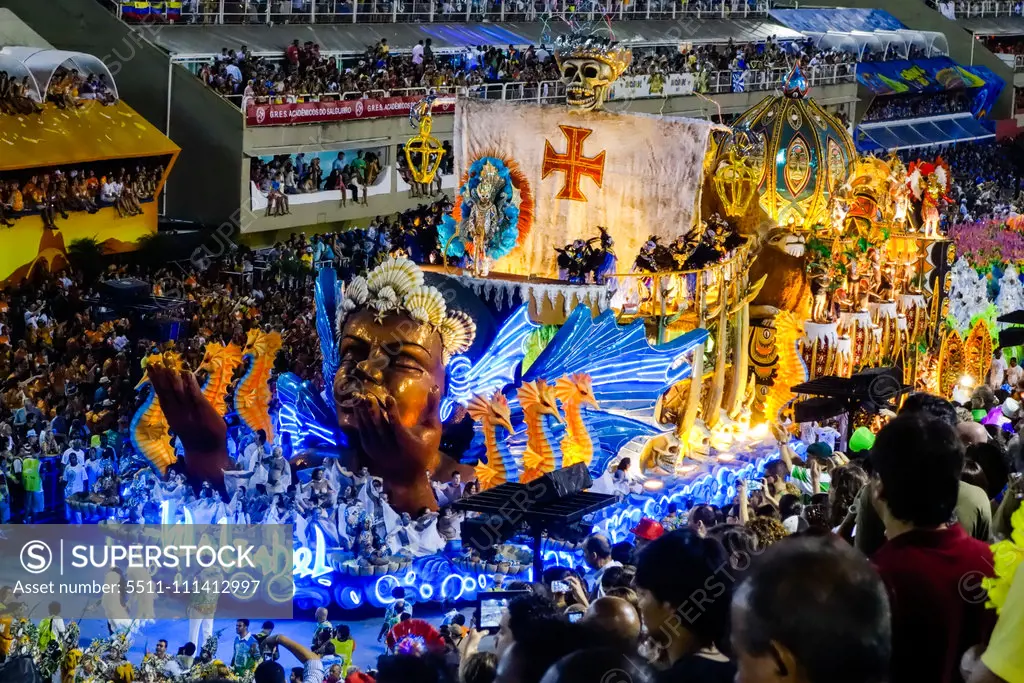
(1018, 63)
(553, 92)
(352, 95)
(721, 82)
(988, 8)
(394, 11)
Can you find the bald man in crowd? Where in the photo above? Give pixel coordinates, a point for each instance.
(616, 617)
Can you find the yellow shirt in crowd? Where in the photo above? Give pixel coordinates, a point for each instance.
(1005, 656)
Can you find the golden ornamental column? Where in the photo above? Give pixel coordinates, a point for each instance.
(819, 348)
(857, 326)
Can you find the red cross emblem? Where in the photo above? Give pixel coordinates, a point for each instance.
(573, 164)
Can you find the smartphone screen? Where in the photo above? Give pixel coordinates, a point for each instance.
(559, 587)
(491, 606)
(574, 617)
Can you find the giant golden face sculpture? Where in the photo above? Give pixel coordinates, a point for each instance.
(396, 337)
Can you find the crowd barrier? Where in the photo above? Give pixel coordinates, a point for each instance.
(394, 11)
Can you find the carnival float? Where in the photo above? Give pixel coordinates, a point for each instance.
(643, 310)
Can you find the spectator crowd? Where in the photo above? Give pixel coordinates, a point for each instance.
(66, 90)
(56, 192)
(862, 568)
(897, 107)
(303, 71)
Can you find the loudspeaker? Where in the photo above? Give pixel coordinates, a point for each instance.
(562, 483)
(817, 409)
(484, 532)
(126, 291)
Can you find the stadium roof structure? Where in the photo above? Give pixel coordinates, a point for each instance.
(203, 41)
(840, 19)
(922, 132)
(992, 26)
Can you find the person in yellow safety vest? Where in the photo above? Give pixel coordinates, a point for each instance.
(51, 628)
(344, 646)
(32, 482)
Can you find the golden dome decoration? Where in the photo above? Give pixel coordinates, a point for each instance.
(808, 155)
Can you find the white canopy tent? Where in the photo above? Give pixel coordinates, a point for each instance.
(834, 40)
(42, 64)
(931, 43)
(16, 69)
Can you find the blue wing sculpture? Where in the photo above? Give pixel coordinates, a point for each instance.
(628, 373)
(326, 297)
(495, 369)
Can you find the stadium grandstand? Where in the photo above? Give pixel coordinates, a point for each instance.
(270, 90)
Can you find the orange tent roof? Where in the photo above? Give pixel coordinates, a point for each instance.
(93, 132)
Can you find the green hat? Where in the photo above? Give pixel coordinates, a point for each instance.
(978, 415)
(819, 449)
(861, 440)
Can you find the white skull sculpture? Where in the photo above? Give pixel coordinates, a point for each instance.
(586, 82)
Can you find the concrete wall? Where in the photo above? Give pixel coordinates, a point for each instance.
(207, 128)
(13, 31)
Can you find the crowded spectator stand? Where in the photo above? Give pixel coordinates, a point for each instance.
(67, 174)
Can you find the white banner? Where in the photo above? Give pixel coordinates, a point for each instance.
(635, 174)
(629, 88)
(651, 85)
(680, 84)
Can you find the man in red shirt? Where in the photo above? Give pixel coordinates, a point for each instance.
(292, 55)
(931, 567)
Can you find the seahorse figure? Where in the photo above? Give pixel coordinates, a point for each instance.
(493, 413)
(575, 391)
(149, 426)
(252, 396)
(219, 362)
(540, 409)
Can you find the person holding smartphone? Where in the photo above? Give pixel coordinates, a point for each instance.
(312, 667)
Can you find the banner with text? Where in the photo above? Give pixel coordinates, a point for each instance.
(126, 573)
(652, 85)
(283, 114)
